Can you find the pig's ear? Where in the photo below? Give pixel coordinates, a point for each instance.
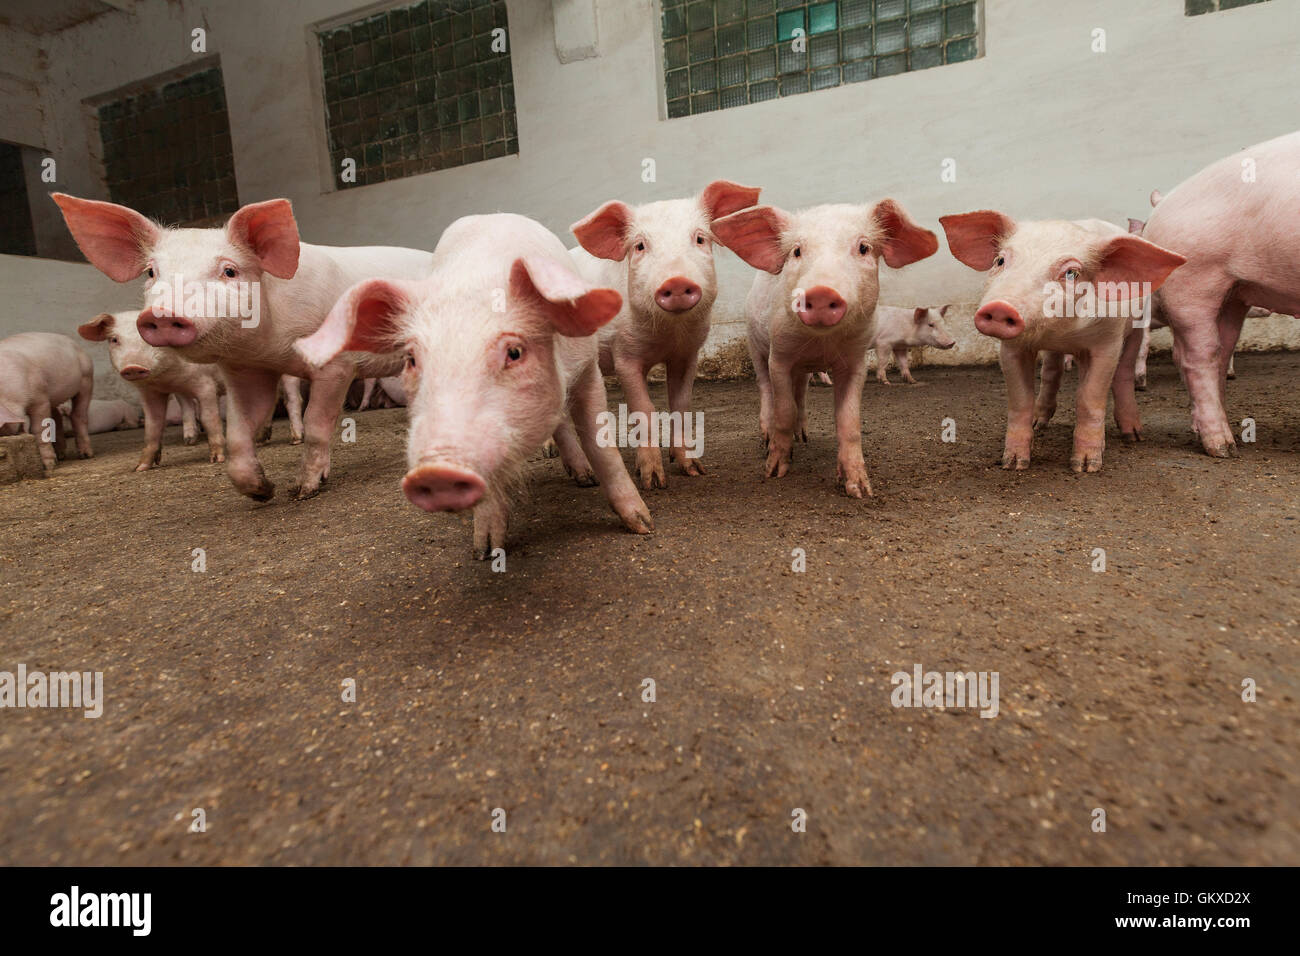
(1135, 226)
(270, 231)
(754, 234)
(722, 198)
(1128, 259)
(905, 241)
(116, 240)
(943, 310)
(1156, 196)
(975, 237)
(362, 320)
(919, 314)
(604, 232)
(97, 329)
(566, 302)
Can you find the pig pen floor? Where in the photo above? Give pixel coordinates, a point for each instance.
(1119, 690)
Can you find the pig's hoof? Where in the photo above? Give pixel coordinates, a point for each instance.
(482, 554)
(1221, 449)
(145, 466)
(1086, 463)
(1013, 462)
(1133, 436)
(550, 449)
(776, 465)
(637, 520)
(884, 381)
(856, 489)
(263, 492)
(1231, 375)
(295, 439)
(263, 436)
(217, 457)
(86, 454)
(586, 479)
(692, 467)
(1140, 383)
(802, 435)
(191, 439)
(303, 492)
(911, 381)
(652, 476)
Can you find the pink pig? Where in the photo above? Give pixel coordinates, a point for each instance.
(240, 296)
(38, 372)
(499, 341)
(1235, 222)
(811, 309)
(157, 373)
(898, 329)
(1037, 298)
(659, 256)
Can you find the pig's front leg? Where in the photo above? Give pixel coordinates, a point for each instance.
(851, 465)
(491, 516)
(155, 420)
(764, 379)
(620, 490)
(681, 378)
(801, 407)
(38, 413)
(882, 363)
(1096, 372)
(1045, 404)
(1018, 372)
(293, 405)
(205, 396)
(250, 399)
(329, 389)
(189, 423)
(575, 462)
(780, 436)
(1124, 386)
(649, 459)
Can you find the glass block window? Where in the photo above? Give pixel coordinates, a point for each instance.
(723, 53)
(1192, 8)
(417, 88)
(17, 237)
(167, 150)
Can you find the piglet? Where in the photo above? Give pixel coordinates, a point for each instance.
(811, 309)
(109, 415)
(240, 296)
(38, 372)
(1061, 287)
(158, 373)
(899, 329)
(659, 257)
(498, 341)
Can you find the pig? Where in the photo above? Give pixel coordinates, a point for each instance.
(38, 372)
(812, 308)
(659, 257)
(366, 393)
(1238, 233)
(266, 288)
(498, 342)
(1035, 298)
(158, 373)
(108, 415)
(899, 329)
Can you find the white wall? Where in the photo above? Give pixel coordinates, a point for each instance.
(1040, 126)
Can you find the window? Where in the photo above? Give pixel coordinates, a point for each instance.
(724, 53)
(17, 237)
(1192, 8)
(418, 88)
(166, 149)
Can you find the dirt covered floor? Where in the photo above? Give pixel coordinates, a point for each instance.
(1119, 690)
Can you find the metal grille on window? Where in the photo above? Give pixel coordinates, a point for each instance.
(723, 53)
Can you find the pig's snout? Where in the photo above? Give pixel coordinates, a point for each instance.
(133, 373)
(440, 486)
(822, 306)
(678, 295)
(161, 329)
(1000, 320)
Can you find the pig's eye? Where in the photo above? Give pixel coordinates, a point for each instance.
(699, 238)
(229, 272)
(112, 340)
(1071, 274)
(149, 272)
(410, 361)
(797, 252)
(1001, 260)
(514, 354)
(640, 247)
(863, 248)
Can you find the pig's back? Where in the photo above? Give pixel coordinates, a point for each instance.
(367, 262)
(1247, 227)
(49, 361)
